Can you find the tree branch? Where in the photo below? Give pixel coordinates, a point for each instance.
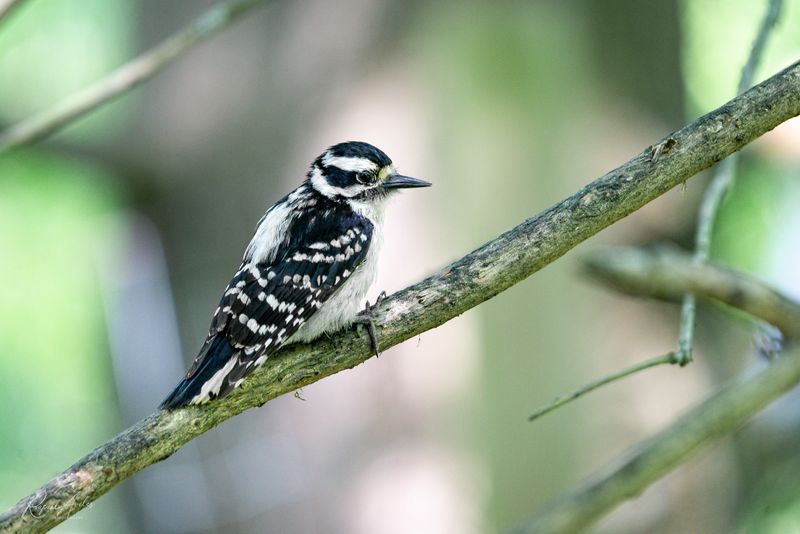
(480, 275)
(124, 78)
(723, 413)
(668, 274)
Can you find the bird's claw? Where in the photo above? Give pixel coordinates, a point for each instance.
(365, 318)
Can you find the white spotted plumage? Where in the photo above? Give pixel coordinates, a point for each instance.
(306, 271)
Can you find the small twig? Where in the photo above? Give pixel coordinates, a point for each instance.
(721, 180)
(756, 52)
(686, 329)
(124, 78)
(669, 358)
(6, 6)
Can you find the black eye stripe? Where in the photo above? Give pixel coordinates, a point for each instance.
(366, 178)
(336, 176)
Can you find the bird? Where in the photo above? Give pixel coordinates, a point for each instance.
(311, 261)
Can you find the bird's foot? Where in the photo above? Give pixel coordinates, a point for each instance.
(365, 318)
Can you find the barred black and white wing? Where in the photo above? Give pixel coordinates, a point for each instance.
(266, 302)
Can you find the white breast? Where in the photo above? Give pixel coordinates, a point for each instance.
(343, 306)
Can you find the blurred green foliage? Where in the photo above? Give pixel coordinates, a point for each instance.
(750, 214)
(49, 50)
(56, 390)
(717, 36)
(775, 508)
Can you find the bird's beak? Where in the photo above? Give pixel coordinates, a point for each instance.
(398, 181)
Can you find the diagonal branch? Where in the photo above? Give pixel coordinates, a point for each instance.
(124, 78)
(476, 277)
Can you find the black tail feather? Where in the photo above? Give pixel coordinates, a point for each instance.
(218, 353)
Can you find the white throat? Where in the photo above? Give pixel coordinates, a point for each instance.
(371, 209)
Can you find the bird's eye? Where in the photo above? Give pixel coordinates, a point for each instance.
(365, 178)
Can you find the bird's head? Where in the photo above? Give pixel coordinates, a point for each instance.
(357, 171)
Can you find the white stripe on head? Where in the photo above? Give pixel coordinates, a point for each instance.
(348, 164)
(319, 183)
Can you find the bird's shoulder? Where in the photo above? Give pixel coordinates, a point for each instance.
(325, 225)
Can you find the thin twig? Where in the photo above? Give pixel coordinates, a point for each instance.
(628, 477)
(124, 78)
(721, 181)
(669, 358)
(6, 6)
(475, 278)
(749, 71)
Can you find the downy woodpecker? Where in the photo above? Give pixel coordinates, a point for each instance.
(305, 272)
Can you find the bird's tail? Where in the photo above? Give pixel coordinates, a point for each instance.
(209, 379)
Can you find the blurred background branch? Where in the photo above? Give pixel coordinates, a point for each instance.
(721, 180)
(6, 7)
(667, 273)
(475, 278)
(123, 79)
(628, 477)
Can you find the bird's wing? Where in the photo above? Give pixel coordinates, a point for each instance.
(265, 303)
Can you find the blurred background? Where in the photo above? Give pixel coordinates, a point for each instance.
(118, 234)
